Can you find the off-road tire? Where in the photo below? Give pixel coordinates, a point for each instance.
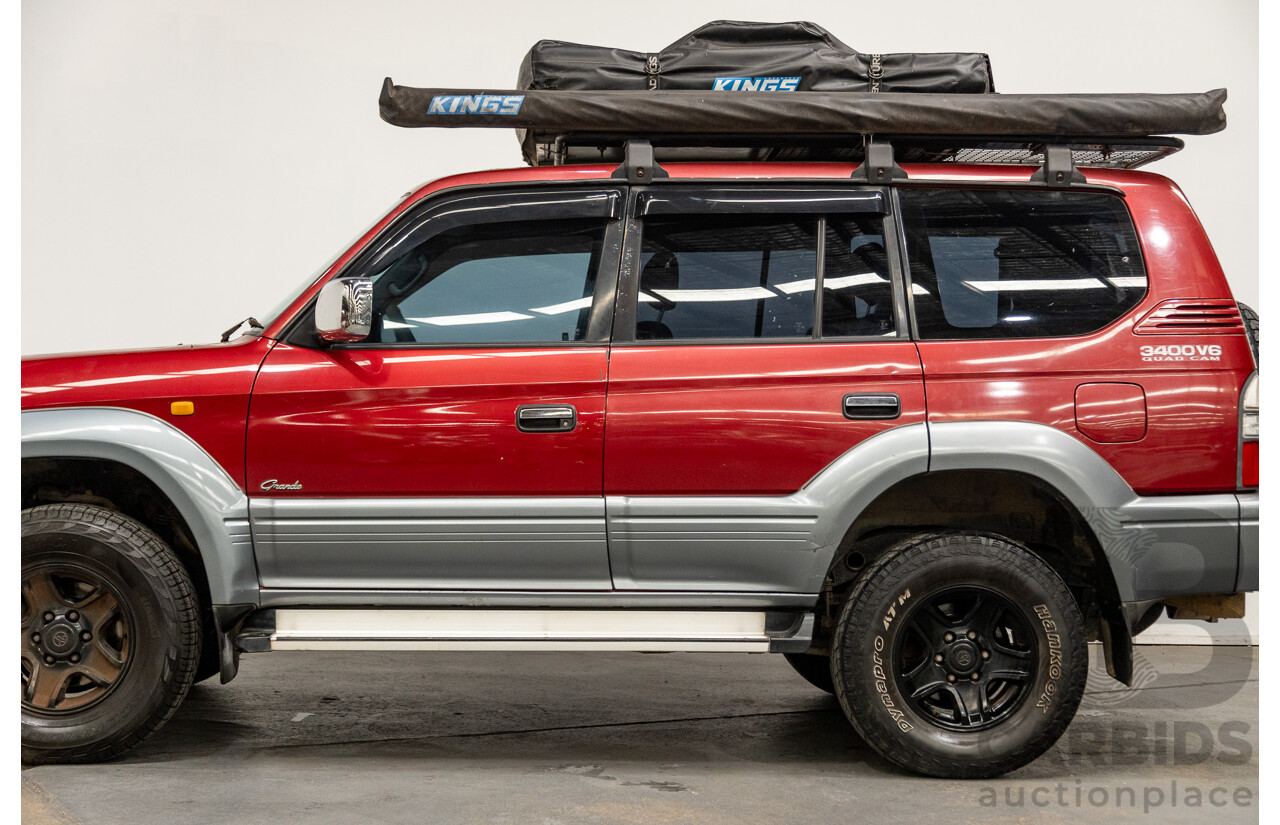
(1251, 323)
(152, 589)
(877, 622)
(210, 663)
(815, 669)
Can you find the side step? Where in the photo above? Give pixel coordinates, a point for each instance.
(491, 629)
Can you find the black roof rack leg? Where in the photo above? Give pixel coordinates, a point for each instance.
(879, 166)
(638, 164)
(1059, 170)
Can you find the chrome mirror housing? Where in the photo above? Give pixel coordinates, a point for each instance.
(344, 310)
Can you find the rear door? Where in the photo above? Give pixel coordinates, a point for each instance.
(760, 334)
(460, 445)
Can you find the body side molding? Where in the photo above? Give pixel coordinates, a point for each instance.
(529, 599)
(766, 543)
(211, 503)
(442, 543)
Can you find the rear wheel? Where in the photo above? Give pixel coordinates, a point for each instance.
(110, 633)
(959, 655)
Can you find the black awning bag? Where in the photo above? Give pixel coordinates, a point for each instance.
(743, 57)
(806, 114)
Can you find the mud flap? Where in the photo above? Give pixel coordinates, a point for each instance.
(228, 618)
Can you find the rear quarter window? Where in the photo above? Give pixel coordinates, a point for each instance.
(1019, 264)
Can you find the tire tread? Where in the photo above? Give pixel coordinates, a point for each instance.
(890, 568)
(179, 604)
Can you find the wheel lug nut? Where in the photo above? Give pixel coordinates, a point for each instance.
(35, 637)
(48, 615)
(86, 636)
(75, 657)
(73, 616)
(949, 638)
(951, 677)
(937, 658)
(972, 635)
(48, 660)
(973, 676)
(986, 654)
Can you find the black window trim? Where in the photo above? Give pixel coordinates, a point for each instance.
(758, 200)
(464, 207)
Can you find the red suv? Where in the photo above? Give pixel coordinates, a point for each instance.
(926, 429)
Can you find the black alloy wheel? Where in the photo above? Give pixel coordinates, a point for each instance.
(959, 655)
(965, 658)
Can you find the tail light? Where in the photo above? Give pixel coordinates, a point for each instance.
(1249, 433)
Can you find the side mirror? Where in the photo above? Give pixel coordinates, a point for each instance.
(344, 310)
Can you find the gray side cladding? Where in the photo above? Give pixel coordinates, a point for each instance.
(1156, 545)
(215, 509)
(775, 546)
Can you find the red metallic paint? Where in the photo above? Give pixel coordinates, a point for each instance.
(1190, 443)
(216, 377)
(429, 422)
(1111, 413)
(747, 419)
(705, 419)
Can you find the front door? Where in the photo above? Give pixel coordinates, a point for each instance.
(460, 445)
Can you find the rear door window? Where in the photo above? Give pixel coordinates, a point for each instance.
(857, 289)
(772, 276)
(715, 276)
(1006, 264)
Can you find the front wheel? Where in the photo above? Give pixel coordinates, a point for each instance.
(960, 655)
(110, 633)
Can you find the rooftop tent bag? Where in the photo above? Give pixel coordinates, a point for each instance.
(791, 91)
(738, 56)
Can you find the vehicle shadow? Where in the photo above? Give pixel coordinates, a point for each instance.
(818, 737)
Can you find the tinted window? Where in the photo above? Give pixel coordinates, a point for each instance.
(727, 277)
(1001, 264)
(530, 281)
(857, 294)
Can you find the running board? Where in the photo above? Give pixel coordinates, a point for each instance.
(653, 631)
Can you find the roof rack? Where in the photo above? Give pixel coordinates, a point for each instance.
(557, 127)
(1028, 150)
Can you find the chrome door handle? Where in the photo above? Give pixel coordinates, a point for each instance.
(546, 418)
(872, 406)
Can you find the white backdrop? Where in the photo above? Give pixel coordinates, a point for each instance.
(186, 164)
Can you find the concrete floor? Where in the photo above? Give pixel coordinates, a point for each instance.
(633, 738)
